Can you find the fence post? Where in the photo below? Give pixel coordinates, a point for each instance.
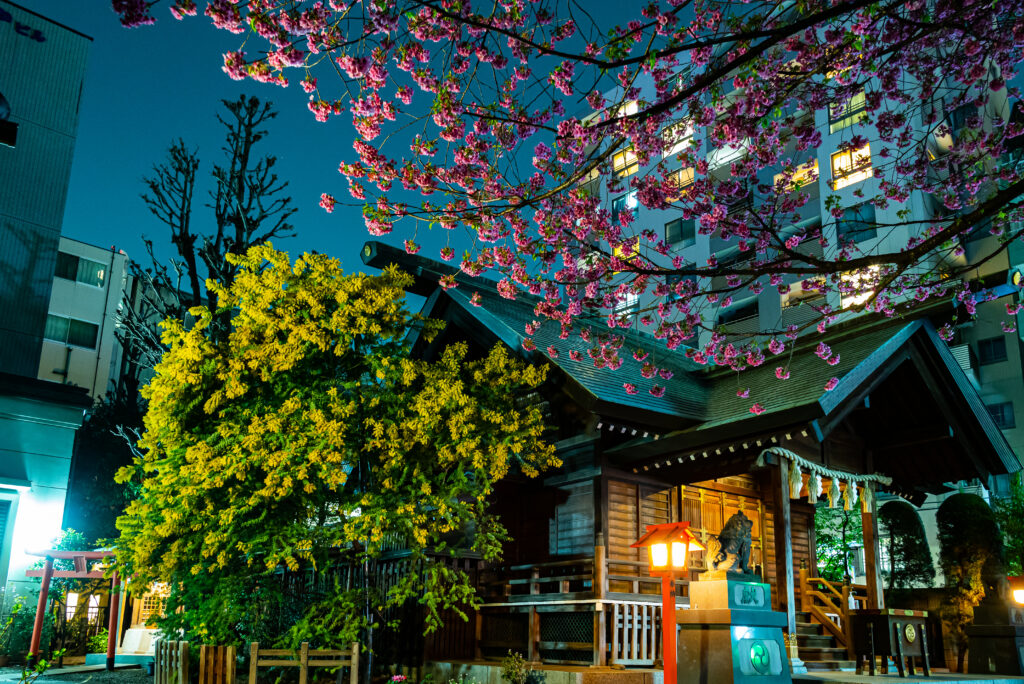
(304, 662)
(229, 664)
(183, 656)
(354, 676)
(254, 652)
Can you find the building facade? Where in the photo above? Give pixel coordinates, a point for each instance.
(41, 82)
(80, 347)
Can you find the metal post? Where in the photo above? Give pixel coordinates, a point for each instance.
(668, 627)
(115, 600)
(37, 626)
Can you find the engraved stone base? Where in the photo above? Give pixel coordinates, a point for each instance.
(730, 635)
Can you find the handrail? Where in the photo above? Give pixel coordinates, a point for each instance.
(818, 598)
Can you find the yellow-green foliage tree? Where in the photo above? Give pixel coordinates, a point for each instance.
(310, 435)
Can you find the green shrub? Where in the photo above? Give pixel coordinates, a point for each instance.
(970, 549)
(910, 559)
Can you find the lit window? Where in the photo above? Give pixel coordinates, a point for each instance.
(71, 267)
(590, 183)
(624, 163)
(628, 108)
(71, 606)
(846, 113)
(992, 350)
(681, 179)
(678, 137)
(851, 166)
(623, 202)
(859, 286)
(70, 331)
(803, 291)
(94, 608)
(681, 230)
(857, 224)
(628, 305)
(1002, 415)
(804, 175)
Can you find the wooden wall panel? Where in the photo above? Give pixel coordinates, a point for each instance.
(571, 527)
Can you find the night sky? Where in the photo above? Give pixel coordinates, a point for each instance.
(148, 86)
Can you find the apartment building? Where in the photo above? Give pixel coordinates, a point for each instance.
(80, 347)
(41, 82)
(990, 356)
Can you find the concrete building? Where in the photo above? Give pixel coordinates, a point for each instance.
(41, 82)
(79, 345)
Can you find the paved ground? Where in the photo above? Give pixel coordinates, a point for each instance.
(83, 673)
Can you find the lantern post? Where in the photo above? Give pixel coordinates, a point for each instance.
(668, 547)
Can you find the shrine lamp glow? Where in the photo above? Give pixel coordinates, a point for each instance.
(668, 546)
(1016, 589)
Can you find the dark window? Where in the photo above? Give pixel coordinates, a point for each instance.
(672, 280)
(739, 311)
(857, 224)
(67, 266)
(681, 230)
(69, 331)
(82, 334)
(1002, 415)
(992, 350)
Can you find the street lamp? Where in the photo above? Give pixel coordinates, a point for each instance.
(668, 546)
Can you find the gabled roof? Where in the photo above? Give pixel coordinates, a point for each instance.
(909, 358)
(701, 404)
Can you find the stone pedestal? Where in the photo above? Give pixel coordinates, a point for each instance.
(996, 639)
(731, 635)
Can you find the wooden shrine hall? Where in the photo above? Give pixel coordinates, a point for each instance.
(903, 419)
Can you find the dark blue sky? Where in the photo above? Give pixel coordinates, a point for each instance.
(146, 87)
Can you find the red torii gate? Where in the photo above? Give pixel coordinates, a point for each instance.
(80, 559)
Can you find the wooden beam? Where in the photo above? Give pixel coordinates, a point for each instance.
(784, 577)
(869, 523)
(66, 574)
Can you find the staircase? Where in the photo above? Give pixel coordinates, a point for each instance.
(818, 650)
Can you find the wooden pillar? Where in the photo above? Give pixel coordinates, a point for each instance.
(37, 625)
(112, 626)
(600, 588)
(869, 522)
(784, 553)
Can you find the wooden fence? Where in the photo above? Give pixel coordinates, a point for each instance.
(217, 664)
(170, 662)
(304, 659)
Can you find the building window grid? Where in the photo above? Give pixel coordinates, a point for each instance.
(78, 269)
(625, 163)
(851, 166)
(681, 179)
(1002, 415)
(857, 223)
(71, 331)
(991, 350)
(678, 137)
(846, 113)
(681, 231)
(623, 202)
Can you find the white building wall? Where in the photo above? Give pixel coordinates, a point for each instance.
(93, 368)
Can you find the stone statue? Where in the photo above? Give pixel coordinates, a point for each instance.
(730, 552)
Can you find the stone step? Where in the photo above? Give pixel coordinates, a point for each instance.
(829, 665)
(808, 628)
(822, 653)
(815, 641)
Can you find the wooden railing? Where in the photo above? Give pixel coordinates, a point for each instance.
(829, 603)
